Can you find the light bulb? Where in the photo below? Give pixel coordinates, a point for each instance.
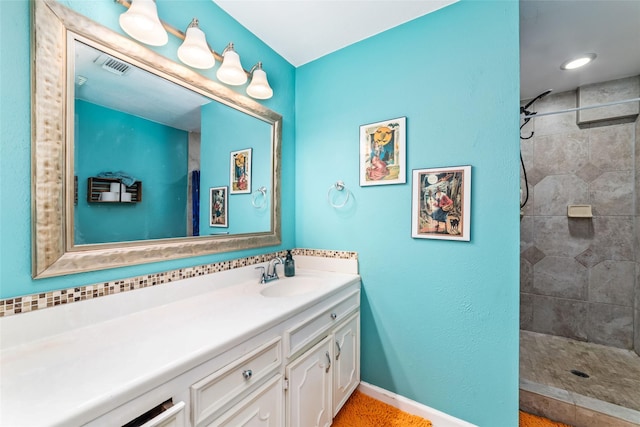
(194, 51)
(142, 23)
(259, 87)
(231, 71)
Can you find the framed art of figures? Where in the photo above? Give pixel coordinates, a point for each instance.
(441, 203)
(218, 207)
(383, 152)
(240, 177)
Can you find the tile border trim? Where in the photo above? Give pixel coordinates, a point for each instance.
(39, 301)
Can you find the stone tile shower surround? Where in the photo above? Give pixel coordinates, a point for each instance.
(579, 276)
(26, 303)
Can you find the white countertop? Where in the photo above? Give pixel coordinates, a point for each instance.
(68, 377)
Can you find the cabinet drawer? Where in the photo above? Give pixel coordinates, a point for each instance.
(212, 394)
(172, 417)
(264, 407)
(305, 333)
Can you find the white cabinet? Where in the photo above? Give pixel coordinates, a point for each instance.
(172, 417)
(323, 377)
(214, 393)
(262, 408)
(346, 365)
(309, 393)
(298, 372)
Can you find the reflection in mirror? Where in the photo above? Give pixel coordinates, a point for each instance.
(97, 140)
(168, 145)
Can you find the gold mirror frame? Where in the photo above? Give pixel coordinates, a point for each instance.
(52, 184)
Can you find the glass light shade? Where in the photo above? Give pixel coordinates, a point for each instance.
(194, 51)
(581, 61)
(231, 72)
(142, 23)
(259, 87)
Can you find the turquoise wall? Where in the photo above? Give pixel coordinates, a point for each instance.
(152, 153)
(225, 130)
(15, 131)
(439, 318)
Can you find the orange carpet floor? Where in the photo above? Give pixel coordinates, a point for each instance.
(528, 420)
(364, 411)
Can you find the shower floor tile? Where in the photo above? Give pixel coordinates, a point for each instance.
(614, 374)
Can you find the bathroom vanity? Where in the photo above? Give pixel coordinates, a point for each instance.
(215, 350)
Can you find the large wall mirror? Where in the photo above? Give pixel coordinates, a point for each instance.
(139, 159)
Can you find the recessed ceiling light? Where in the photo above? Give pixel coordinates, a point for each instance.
(578, 62)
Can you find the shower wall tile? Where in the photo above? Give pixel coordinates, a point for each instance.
(557, 316)
(613, 238)
(612, 147)
(526, 233)
(580, 278)
(526, 276)
(611, 91)
(588, 172)
(526, 311)
(612, 193)
(561, 153)
(637, 164)
(636, 332)
(561, 277)
(556, 192)
(557, 236)
(557, 123)
(612, 282)
(610, 325)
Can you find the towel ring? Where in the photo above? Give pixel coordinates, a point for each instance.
(338, 186)
(260, 193)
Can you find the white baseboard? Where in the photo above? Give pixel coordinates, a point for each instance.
(437, 418)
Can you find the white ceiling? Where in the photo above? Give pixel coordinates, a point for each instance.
(550, 32)
(304, 30)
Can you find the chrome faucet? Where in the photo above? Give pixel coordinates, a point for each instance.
(271, 272)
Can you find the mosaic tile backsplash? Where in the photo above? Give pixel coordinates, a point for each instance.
(33, 302)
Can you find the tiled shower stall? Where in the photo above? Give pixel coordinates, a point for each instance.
(579, 276)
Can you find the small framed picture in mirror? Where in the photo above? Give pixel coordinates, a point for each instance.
(218, 207)
(240, 179)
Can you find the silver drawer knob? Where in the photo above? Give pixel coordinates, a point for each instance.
(247, 374)
(334, 316)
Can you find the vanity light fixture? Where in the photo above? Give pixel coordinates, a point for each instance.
(259, 87)
(231, 71)
(578, 62)
(142, 23)
(195, 51)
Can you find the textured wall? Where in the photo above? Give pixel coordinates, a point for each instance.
(578, 275)
(439, 318)
(154, 154)
(15, 126)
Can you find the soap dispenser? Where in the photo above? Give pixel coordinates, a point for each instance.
(289, 265)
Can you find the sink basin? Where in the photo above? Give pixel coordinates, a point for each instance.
(291, 287)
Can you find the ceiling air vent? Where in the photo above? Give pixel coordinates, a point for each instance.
(113, 65)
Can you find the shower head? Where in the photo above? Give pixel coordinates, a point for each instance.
(530, 103)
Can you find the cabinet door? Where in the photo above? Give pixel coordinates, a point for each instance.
(346, 361)
(262, 408)
(308, 398)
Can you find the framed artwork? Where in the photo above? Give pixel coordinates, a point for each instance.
(218, 207)
(441, 203)
(240, 176)
(383, 152)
